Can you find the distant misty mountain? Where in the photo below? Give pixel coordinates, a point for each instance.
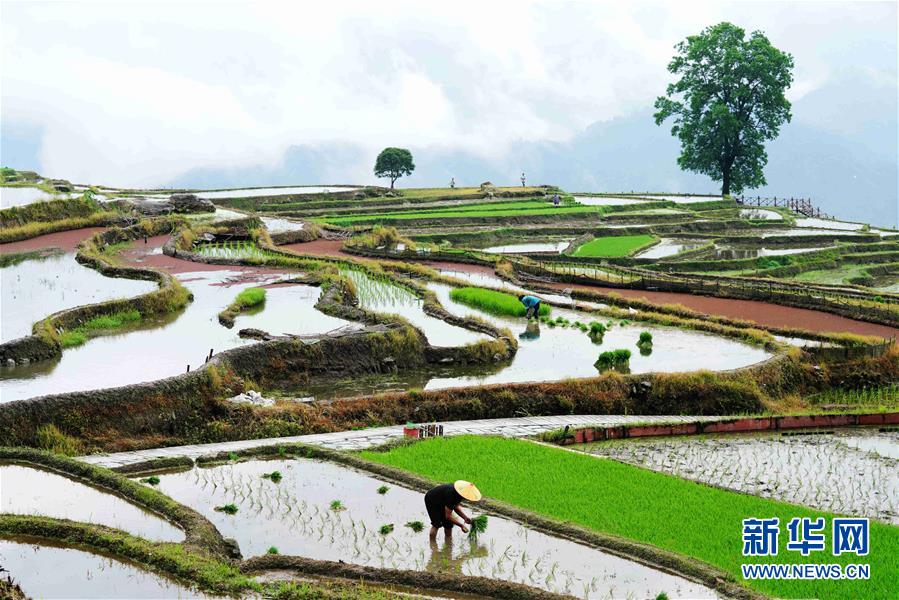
(839, 150)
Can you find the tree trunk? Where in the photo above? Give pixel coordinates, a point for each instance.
(725, 182)
(392, 181)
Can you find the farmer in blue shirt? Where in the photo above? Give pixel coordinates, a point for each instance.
(532, 304)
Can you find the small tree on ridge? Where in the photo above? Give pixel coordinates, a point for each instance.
(394, 163)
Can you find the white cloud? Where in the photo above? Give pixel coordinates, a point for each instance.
(136, 93)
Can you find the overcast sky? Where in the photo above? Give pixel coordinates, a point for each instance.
(136, 93)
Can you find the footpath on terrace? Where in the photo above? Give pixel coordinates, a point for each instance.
(369, 438)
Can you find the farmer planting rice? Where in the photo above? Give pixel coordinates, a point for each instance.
(532, 303)
(444, 500)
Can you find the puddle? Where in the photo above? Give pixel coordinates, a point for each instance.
(274, 191)
(804, 343)
(851, 471)
(762, 214)
(46, 571)
(384, 297)
(35, 289)
(555, 247)
(164, 347)
(670, 247)
(295, 516)
(606, 201)
(30, 491)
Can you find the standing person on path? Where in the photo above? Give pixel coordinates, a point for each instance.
(532, 303)
(522, 179)
(444, 500)
(452, 182)
(556, 200)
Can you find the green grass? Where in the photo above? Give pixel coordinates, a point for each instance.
(671, 513)
(75, 337)
(495, 303)
(622, 245)
(249, 297)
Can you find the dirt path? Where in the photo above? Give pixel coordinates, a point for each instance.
(64, 240)
(763, 313)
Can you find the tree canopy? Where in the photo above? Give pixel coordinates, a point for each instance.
(728, 102)
(394, 163)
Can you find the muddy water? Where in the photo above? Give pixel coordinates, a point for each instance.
(45, 571)
(274, 191)
(296, 517)
(801, 232)
(164, 347)
(553, 353)
(480, 279)
(35, 289)
(850, 471)
(670, 247)
(535, 247)
(31, 491)
(383, 297)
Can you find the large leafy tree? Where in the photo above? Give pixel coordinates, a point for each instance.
(728, 101)
(394, 163)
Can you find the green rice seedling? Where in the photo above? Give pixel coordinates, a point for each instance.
(662, 596)
(337, 505)
(232, 457)
(386, 529)
(645, 343)
(477, 527)
(275, 476)
(152, 480)
(383, 489)
(612, 359)
(416, 526)
(496, 303)
(272, 550)
(227, 508)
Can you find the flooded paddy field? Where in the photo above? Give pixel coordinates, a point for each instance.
(669, 247)
(381, 296)
(552, 353)
(163, 347)
(552, 247)
(727, 252)
(762, 214)
(26, 490)
(548, 353)
(50, 571)
(276, 225)
(34, 289)
(325, 511)
(609, 201)
(849, 471)
(22, 195)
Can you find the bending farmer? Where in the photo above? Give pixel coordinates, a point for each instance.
(444, 500)
(531, 303)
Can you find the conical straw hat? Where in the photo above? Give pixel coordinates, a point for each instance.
(467, 490)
